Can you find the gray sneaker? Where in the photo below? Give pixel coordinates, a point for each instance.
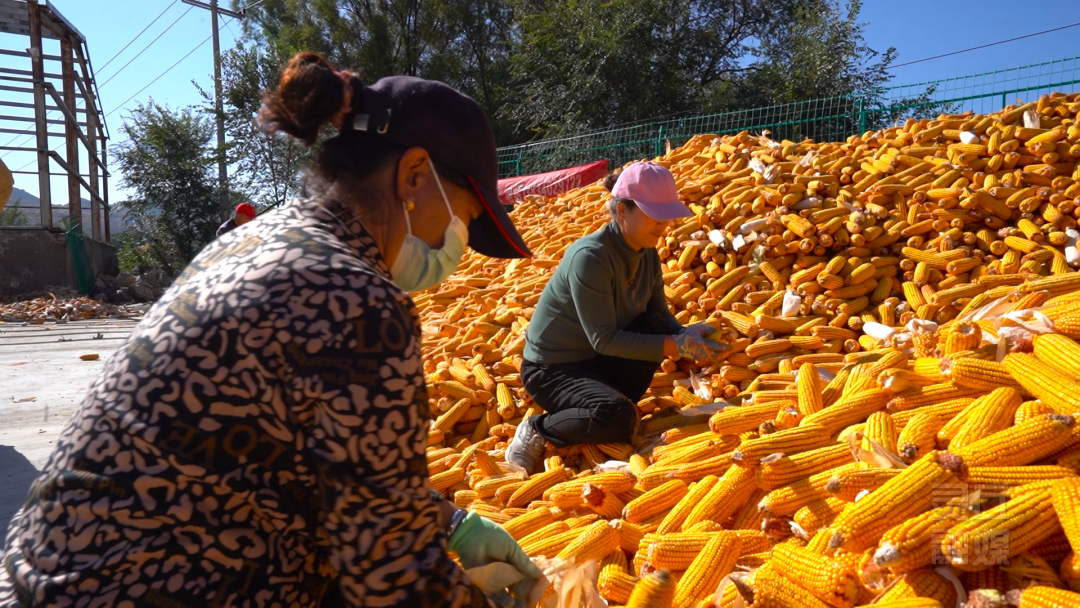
(527, 447)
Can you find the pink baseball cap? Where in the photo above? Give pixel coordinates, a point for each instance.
(653, 188)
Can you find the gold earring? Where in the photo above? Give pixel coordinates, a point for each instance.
(410, 205)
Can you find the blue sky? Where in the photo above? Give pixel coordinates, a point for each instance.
(917, 28)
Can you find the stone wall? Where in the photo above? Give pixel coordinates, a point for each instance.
(32, 258)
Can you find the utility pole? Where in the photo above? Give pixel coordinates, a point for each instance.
(219, 112)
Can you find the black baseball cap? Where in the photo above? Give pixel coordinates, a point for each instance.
(456, 133)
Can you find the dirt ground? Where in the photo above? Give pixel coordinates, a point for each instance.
(42, 383)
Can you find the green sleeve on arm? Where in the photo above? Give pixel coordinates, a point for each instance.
(590, 288)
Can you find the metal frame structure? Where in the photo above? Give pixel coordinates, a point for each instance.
(63, 83)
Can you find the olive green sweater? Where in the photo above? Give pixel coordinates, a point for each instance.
(598, 289)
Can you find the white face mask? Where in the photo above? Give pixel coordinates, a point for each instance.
(417, 266)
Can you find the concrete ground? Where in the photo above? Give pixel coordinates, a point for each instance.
(42, 383)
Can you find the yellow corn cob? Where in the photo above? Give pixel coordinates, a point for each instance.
(504, 399)
(818, 514)
(990, 414)
(1059, 353)
(655, 501)
(774, 473)
(826, 579)
(1066, 319)
(930, 395)
(996, 479)
(674, 519)
(529, 522)
(992, 536)
(849, 410)
(769, 588)
(945, 411)
(715, 561)
(450, 417)
(978, 374)
(910, 544)
(918, 437)
(615, 586)
(1066, 502)
(1030, 409)
(800, 439)
(911, 602)
(456, 390)
(1070, 571)
(739, 419)
(655, 590)
(991, 579)
(847, 484)
(1043, 597)
(788, 499)
(920, 583)
(929, 368)
(607, 504)
(1022, 444)
(900, 498)
(535, 486)
(880, 429)
(447, 479)
(550, 544)
(724, 499)
(595, 542)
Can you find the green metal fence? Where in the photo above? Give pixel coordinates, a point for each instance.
(80, 258)
(825, 119)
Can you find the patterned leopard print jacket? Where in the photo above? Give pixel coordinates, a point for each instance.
(260, 435)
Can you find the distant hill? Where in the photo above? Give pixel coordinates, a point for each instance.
(29, 205)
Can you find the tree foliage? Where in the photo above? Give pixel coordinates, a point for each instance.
(266, 167)
(554, 67)
(167, 161)
(11, 215)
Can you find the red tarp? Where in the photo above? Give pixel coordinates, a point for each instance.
(513, 190)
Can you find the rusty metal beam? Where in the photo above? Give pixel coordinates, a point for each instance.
(71, 133)
(44, 188)
(93, 128)
(62, 106)
(105, 189)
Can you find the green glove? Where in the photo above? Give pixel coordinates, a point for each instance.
(478, 541)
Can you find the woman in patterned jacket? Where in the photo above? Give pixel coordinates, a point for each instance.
(260, 438)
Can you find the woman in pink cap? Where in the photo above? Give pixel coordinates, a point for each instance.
(602, 325)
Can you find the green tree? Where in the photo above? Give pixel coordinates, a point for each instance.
(167, 161)
(12, 216)
(585, 64)
(465, 43)
(266, 166)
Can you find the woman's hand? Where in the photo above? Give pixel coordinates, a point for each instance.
(692, 343)
(478, 541)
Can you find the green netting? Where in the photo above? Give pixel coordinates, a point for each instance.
(80, 259)
(826, 119)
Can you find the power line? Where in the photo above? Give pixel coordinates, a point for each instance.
(111, 59)
(132, 41)
(148, 85)
(160, 76)
(139, 54)
(983, 46)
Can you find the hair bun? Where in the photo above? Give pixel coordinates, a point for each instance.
(610, 179)
(311, 93)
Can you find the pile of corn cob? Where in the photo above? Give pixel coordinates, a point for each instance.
(898, 424)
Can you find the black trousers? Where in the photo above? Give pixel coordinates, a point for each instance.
(593, 401)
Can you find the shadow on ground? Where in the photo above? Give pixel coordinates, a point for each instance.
(16, 475)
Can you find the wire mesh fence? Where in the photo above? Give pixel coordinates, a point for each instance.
(825, 119)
